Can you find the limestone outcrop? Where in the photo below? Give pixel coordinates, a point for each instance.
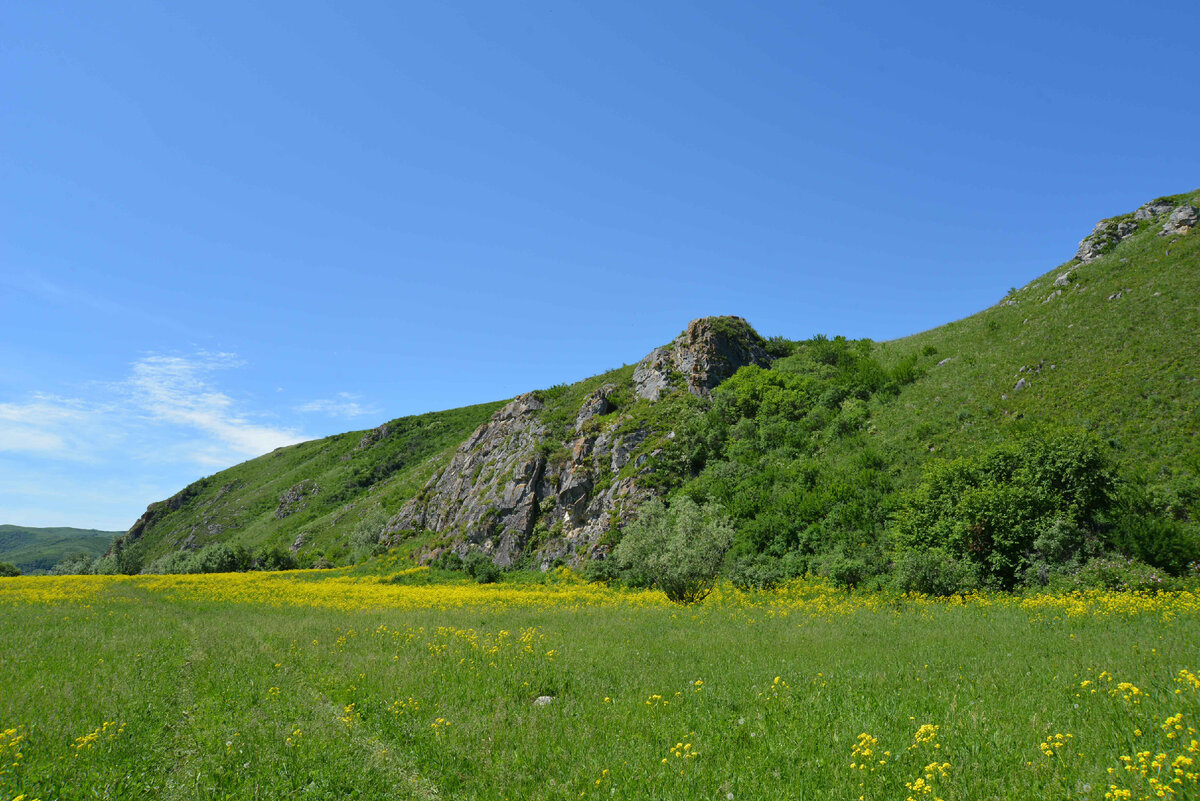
(515, 488)
(709, 351)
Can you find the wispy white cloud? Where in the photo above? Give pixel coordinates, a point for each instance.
(45, 425)
(167, 408)
(98, 458)
(178, 390)
(343, 404)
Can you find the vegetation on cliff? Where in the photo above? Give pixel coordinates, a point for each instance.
(1016, 446)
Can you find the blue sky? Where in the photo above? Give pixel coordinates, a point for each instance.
(227, 226)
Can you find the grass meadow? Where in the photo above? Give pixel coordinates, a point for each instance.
(306, 685)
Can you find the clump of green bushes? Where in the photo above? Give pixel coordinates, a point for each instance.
(678, 549)
(1023, 512)
(218, 557)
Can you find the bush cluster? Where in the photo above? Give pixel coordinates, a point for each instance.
(678, 549)
(218, 557)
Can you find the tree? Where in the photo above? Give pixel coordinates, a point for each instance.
(8, 570)
(677, 549)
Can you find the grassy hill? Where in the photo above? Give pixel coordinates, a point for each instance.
(815, 455)
(38, 549)
(314, 493)
(1115, 352)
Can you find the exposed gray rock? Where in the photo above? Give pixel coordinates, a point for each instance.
(1182, 220)
(513, 485)
(1063, 279)
(594, 405)
(373, 436)
(1020, 385)
(299, 542)
(1104, 237)
(704, 355)
(1052, 295)
(1154, 208)
(295, 498)
(543, 700)
(503, 481)
(945, 361)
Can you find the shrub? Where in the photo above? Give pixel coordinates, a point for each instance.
(447, 560)
(755, 573)
(678, 549)
(364, 538)
(480, 567)
(1142, 531)
(272, 559)
(76, 564)
(934, 572)
(601, 571)
(845, 572)
(1040, 499)
(1122, 573)
(8, 570)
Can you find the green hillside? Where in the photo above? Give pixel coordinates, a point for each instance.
(819, 450)
(35, 550)
(313, 493)
(1116, 353)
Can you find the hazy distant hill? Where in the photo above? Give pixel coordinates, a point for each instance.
(37, 549)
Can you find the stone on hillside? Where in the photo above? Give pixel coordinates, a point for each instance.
(1182, 220)
(1063, 279)
(1020, 385)
(1104, 237)
(945, 361)
(543, 700)
(295, 498)
(1153, 209)
(595, 404)
(709, 351)
(373, 436)
(1052, 295)
(511, 476)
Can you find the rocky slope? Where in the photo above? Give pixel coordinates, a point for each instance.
(517, 487)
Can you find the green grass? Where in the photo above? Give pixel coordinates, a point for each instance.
(1124, 368)
(203, 696)
(36, 550)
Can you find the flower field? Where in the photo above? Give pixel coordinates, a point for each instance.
(312, 685)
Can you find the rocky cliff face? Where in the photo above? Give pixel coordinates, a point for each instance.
(709, 351)
(1108, 233)
(514, 487)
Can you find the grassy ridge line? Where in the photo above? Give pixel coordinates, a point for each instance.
(350, 474)
(36, 549)
(754, 697)
(1123, 367)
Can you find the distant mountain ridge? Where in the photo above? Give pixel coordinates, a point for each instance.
(1105, 342)
(34, 549)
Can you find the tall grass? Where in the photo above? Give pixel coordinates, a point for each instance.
(269, 686)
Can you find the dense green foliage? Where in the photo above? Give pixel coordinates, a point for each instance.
(677, 549)
(1020, 504)
(37, 550)
(8, 570)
